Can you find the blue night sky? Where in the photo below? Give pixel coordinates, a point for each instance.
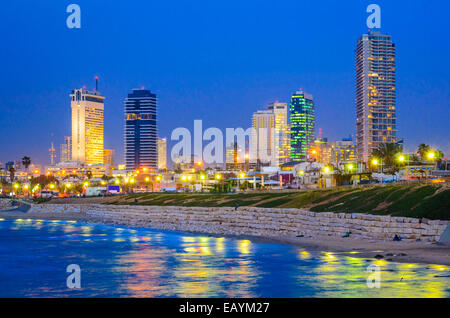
(213, 60)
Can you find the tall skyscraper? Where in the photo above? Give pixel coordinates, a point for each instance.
(141, 132)
(375, 93)
(282, 136)
(302, 120)
(87, 126)
(65, 153)
(162, 153)
(263, 138)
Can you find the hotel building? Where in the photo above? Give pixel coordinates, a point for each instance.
(87, 126)
(375, 93)
(302, 121)
(141, 135)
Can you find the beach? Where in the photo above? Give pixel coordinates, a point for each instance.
(404, 252)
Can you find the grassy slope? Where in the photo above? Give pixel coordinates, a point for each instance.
(430, 201)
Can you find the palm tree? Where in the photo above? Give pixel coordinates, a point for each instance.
(387, 152)
(26, 161)
(423, 150)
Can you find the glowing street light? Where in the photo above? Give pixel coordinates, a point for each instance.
(242, 175)
(202, 177)
(430, 155)
(350, 166)
(183, 178)
(374, 162)
(326, 169)
(158, 178)
(401, 158)
(147, 179)
(117, 181)
(218, 176)
(68, 185)
(301, 172)
(52, 186)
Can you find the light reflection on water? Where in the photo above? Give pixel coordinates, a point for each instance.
(119, 261)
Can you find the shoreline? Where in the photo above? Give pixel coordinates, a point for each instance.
(401, 252)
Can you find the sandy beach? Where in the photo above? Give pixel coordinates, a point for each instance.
(405, 252)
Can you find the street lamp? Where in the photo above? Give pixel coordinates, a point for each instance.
(430, 155)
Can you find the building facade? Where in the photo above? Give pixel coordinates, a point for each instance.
(141, 133)
(87, 126)
(263, 138)
(344, 152)
(162, 153)
(65, 150)
(375, 93)
(282, 135)
(108, 155)
(302, 124)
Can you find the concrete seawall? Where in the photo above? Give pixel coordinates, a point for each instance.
(263, 222)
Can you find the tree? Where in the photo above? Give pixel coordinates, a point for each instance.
(26, 161)
(12, 172)
(439, 154)
(423, 150)
(388, 152)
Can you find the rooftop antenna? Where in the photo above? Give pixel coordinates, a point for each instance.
(96, 83)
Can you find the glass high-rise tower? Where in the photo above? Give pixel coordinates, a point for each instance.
(141, 134)
(375, 93)
(302, 122)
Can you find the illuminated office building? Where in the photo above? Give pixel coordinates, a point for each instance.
(141, 135)
(162, 153)
(375, 93)
(282, 137)
(87, 126)
(302, 122)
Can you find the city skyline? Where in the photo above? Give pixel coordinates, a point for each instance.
(335, 112)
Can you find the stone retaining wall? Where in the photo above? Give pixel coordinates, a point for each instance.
(263, 222)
